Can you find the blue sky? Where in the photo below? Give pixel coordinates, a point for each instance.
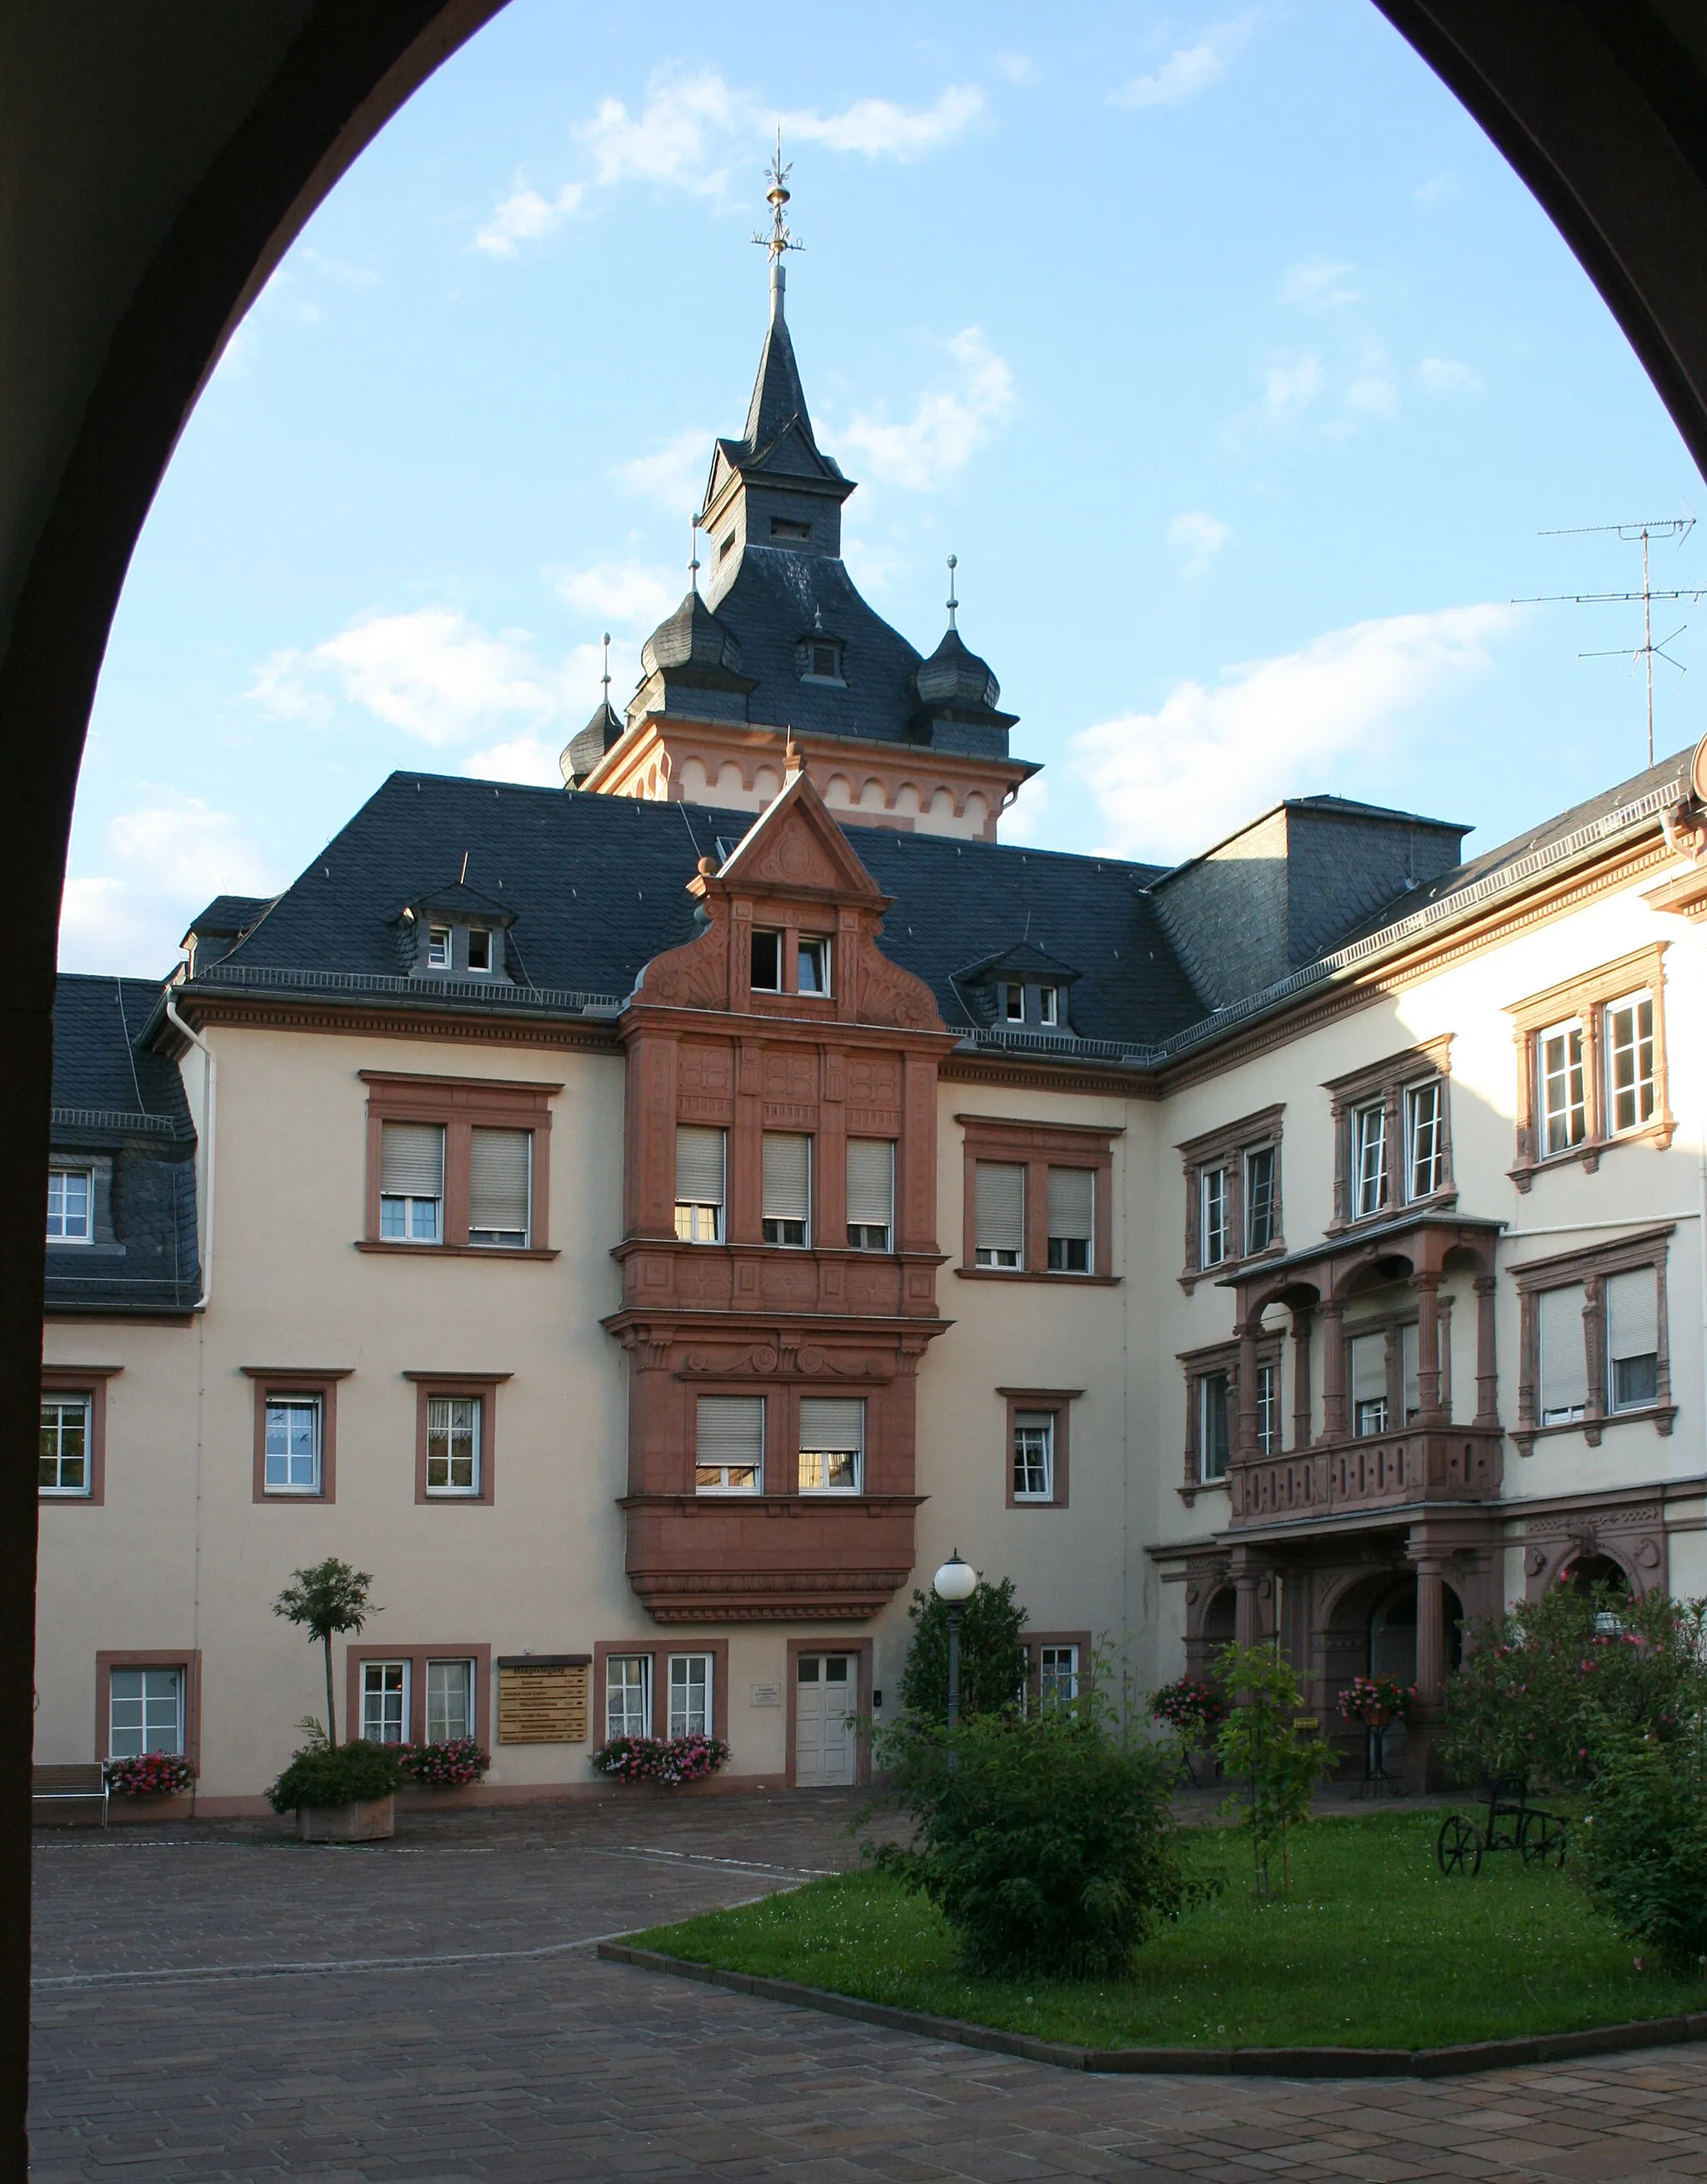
(1234, 363)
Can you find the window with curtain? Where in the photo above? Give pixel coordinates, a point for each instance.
(1425, 1138)
(1057, 1674)
(453, 1445)
(1632, 1340)
(501, 1170)
(1269, 1408)
(1259, 1199)
(145, 1712)
(729, 1444)
(70, 1197)
(701, 1165)
(1366, 1363)
(1564, 1360)
(291, 1459)
(1369, 1158)
(385, 1701)
(1000, 1214)
(1212, 1217)
(1072, 1200)
(627, 1694)
(831, 1449)
(691, 1695)
(1410, 1370)
(411, 1181)
(786, 1214)
(64, 1460)
(1214, 1427)
(871, 1194)
(449, 1700)
(1034, 1455)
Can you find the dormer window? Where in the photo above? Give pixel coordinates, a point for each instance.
(479, 948)
(725, 546)
(438, 948)
(1047, 1004)
(1013, 1004)
(813, 960)
(819, 659)
(767, 962)
(787, 527)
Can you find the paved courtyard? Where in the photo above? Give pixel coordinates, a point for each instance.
(220, 2003)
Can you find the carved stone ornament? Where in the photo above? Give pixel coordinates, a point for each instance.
(890, 995)
(695, 976)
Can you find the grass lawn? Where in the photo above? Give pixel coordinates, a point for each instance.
(1373, 1948)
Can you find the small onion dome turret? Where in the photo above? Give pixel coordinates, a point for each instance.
(693, 637)
(583, 750)
(955, 679)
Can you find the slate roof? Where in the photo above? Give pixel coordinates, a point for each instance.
(116, 1099)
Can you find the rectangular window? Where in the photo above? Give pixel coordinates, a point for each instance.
(812, 964)
(479, 948)
(767, 962)
(70, 1197)
(1369, 1158)
(787, 1189)
(701, 1160)
(65, 1466)
(1013, 1004)
(832, 1445)
(500, 1183)
(453, 1445)
(1214, 1427)
(1034, 1455)
(691, 1695)
(1563, 1361)
(1001, 1214)
(1632, 1340)
(1269, 1408)
(293, 1445)
(438, 947)
(1410, 1370)
(1630, 1062)
(871, 1194)
(1212, 1217)
(385, 1701)
(1048, 1004)
(785, 526)
(627, 1694)
(729, 1444)
(1072, 1200)
(145, 1712)
(1425, 1138)
(1259, 1199)
(1559, 1069)
(449, 1700)
(1367, 1364)
(1057, 1674)
(411, 1181)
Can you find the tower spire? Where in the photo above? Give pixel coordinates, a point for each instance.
(606, 678)
(779, 239)
(953, 603)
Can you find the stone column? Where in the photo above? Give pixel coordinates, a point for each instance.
(1301, 1377)
(1427, 1288)
(1430, 1630)
(1333, 1371)
(1487, 1370)
(1245, 1443)
(1248, 1619)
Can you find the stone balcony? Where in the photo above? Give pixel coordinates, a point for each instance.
(1358, 1476)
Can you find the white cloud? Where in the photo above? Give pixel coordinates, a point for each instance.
(680, 135)
(1207, 760)
(1017, 68)
(620, 591)
(880, 129)
(948, 425)
(523, 758)
(524, 216)
(1289, 389)
(1441, 375)
(1196, 538)
(1189, 70)
(164, 860)
(1438, 189)
(1318, 284)
(1372, 394)
(674, 475)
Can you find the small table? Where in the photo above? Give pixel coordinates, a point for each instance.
(1376, 1779)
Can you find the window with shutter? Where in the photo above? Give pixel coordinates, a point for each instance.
(499, 1177)
(832, 1445)
(1632, 1340)
(871, 1193)
(1071, 1198)
(729, 1444)
(1564, 1356)
(411, 1181)
(701, 1157)
(788, 1175)
(1001, 1189)
(1368, 1361)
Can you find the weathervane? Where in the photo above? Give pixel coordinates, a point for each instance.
(777, 175)
(953, 603)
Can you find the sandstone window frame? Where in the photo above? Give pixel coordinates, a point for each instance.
(185, 1659)
(1038, 1146)
(460, 1105)
(1037, 1643)
(90, 1382)
(1057, 1403)
(298, 1383)
(1588, 1268)
(1585, 998)
(1198, 1365)
(416, 1657)
(657, 1653)
(1226, 1150)
(1387, 1084)
(480, 1387)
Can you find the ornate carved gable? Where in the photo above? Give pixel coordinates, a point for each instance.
(796, 844)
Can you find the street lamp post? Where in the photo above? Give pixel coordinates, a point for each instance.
(955, 1582)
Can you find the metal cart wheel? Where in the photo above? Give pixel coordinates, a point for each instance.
(1540, 1838)
(1457, 1849)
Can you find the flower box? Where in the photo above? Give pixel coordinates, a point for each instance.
(364, 1819)
(668, 1762)
(150, 1775)
(453, 1764)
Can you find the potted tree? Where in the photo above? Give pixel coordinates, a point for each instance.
(339, 1792)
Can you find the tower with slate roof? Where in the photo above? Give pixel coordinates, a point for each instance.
(781, 643)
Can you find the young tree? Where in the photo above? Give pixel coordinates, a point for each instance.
(992, 1654)
(1280, 1750)
(326, 1601)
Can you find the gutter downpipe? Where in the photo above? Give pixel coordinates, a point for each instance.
(210, 1112)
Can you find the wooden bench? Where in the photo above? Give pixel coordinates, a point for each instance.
(60, 1796)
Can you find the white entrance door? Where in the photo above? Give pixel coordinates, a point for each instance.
(826, 1693)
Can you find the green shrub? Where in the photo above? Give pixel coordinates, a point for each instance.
(1047, 1844)
(1548, 1688)
(992, 1653)
(1641, 1847)
(1279, 1750)
(336, 1775)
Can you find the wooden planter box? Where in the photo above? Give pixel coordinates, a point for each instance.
(369, 1819)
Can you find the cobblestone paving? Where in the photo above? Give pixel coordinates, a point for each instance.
(221, 2003)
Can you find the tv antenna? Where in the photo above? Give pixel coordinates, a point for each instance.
(1675, 528)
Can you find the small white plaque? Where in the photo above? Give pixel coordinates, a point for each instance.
(765, 1695)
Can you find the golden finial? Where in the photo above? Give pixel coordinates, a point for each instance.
(777, 175)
